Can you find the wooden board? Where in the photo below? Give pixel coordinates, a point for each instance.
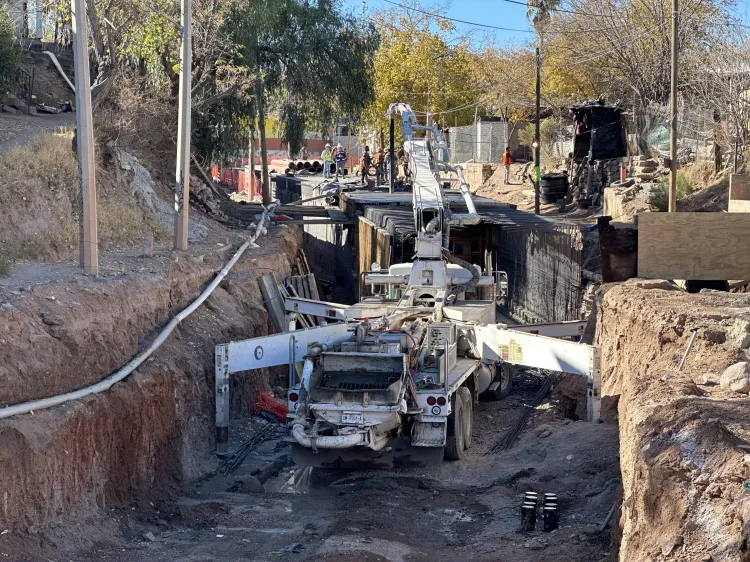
(694, 246)
(739, 187)
(739, 206)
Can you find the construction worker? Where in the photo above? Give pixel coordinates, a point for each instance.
(327, 158)
(507, 161)
(364, 164)
(379, 161)
(340, 158)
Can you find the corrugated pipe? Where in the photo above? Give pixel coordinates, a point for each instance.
(107, 383)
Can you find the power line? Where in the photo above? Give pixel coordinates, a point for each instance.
(434, 15)
(487, 26)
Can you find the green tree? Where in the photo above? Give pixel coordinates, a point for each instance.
(421, 62)
(10, 55)
(306, 60)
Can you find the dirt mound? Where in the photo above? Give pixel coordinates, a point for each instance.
(40, 203)
(711, 199)
(683, 440)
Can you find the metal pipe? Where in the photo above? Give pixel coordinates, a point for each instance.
(687, 351)
(110, 381)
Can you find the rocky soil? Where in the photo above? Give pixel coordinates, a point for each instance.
(684, 440)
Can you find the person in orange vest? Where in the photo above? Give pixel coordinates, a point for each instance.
(507, 161)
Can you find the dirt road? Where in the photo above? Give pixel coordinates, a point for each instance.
(465, 510)
(270, 510)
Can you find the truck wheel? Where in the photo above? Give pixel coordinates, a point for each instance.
(504, 380)
(454, 442)
(468, 414)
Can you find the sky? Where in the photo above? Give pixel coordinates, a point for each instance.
(488, 12)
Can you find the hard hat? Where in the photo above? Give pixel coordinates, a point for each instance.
(339, 145)
(328, 145)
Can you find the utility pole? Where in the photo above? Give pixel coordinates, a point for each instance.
(537, 134)
(392, 157)
(89, 242)
(673, 116)
(266, 183)
(182, 172)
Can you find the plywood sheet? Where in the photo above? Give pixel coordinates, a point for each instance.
(694, 246)
(739, 206)
(739, 187)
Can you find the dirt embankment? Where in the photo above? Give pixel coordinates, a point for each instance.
(147, 433)
(684, 441)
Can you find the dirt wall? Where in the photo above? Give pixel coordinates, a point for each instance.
(148, 432)
(684, 441)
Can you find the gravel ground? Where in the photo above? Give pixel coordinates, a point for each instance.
(16, 130)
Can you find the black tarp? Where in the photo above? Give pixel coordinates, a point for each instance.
(599, 128)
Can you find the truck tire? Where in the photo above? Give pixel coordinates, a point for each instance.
(468, 412)
(454, 441)
(504, 376)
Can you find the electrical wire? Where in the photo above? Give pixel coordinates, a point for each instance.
(483, 25)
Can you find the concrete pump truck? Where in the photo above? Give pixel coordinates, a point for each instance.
(397, 375)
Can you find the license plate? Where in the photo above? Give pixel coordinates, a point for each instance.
(351, 417)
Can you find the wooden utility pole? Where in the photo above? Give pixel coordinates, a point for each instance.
(673, 116)
(537, 133)
(265, 183)
(89, 243)
(182, 172)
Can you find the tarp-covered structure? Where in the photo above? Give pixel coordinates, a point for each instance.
(598, 128)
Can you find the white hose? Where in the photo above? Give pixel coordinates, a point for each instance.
(307, 371)
(107, 383)
(59, 69)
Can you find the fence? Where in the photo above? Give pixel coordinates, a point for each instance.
(649, 131)
(484, 141)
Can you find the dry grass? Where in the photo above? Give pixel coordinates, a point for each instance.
(699, 174)
(40, 202)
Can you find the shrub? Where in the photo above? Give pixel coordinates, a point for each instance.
(659, 198)
(10, 55)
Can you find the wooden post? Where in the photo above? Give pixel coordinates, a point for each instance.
(89, 244)
(266, 184)
(673, 115)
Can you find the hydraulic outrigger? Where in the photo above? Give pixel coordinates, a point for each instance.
(399, 373)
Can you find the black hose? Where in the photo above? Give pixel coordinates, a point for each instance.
(466, 265)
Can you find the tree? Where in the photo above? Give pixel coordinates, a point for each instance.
(423, 65)
(10, 56)
(308, 59)
(622, 49)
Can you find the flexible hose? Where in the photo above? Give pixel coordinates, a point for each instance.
(107, 383)
(466, 265)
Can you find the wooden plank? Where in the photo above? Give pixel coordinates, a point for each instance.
(739, 206)
(693, 246)
(739, 187)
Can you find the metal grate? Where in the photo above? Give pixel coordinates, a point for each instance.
(358, 382)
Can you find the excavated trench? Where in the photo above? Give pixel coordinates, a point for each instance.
(684, 439)
(130, 475)
(141, 439)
